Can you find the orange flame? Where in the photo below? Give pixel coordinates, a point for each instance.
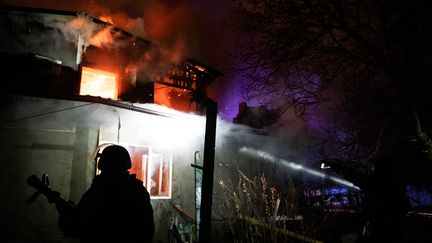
(102, 38)
(98, 83)
(172, 97)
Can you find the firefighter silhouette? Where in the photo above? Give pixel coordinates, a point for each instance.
(116, 207)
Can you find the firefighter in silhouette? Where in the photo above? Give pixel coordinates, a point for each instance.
(116, 207)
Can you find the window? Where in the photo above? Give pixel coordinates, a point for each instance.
(153, 167)
(96, 82)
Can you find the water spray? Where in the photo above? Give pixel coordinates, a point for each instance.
(295, 166)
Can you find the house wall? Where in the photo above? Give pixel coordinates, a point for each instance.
(52, 35)
(58, 137)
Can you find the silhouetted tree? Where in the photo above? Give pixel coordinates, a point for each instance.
(361, 66)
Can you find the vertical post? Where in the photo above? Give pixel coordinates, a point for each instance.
(198, 169)
(208, 168)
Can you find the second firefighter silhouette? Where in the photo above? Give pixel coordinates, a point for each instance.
(116, 207)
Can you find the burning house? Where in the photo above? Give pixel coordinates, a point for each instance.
(72, 82)
(70, 53)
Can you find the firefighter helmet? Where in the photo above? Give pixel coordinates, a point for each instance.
(114, 158)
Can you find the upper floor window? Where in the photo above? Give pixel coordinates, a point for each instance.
(96, 82)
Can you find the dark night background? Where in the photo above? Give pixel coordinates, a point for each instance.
(350, 79)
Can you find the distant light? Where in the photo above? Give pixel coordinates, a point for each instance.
(324, 166)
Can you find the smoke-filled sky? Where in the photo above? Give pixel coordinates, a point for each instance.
(197, 29)
(200, 29)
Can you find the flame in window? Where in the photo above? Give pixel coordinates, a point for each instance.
(98, 83)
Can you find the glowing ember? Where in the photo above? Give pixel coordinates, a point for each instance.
(200, 68)
(98, 83)
(172, 97)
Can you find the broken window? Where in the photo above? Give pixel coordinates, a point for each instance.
(100, 83)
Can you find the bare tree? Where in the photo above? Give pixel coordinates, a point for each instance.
(354, 63)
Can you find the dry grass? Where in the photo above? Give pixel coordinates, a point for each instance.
(251, 207)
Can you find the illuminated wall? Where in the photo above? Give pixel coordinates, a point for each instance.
(58, 137)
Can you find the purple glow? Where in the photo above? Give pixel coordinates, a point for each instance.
(229, 95)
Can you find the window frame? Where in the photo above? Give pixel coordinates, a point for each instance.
(147, 161)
